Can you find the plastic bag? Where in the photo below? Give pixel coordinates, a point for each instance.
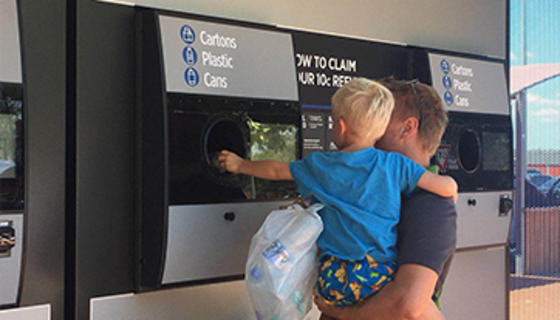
(281, 269)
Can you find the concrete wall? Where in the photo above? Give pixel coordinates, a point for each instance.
(477, 26)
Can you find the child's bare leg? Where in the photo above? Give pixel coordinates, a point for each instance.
(431, 313)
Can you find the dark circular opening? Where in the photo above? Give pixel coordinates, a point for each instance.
(224, 134)
(469, 151)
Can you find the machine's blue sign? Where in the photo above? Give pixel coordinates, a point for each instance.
(217, 59)
(191, 77)
(187, 34)
(190, 56)
(470, 85)
(448, 98)
(446, 82)
(444, 66)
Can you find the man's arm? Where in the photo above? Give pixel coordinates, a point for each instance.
(408, 296)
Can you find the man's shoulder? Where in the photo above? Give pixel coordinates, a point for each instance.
(423, 195)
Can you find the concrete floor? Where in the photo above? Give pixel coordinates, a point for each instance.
(534, 297)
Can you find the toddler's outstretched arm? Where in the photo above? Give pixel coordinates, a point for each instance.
(266, 169)
(444, 186)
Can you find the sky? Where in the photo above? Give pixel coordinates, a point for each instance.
(543, 46)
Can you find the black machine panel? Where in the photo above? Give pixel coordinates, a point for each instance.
(477, 151)
(477, 146)
(201, 126)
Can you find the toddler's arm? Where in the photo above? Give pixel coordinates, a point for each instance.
(443, 186)
(266, 169)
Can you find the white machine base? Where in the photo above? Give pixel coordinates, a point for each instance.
(42, 312)
(222, 301)
(476, 287)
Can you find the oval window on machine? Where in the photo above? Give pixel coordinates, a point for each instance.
(224, 133)
(469, 151)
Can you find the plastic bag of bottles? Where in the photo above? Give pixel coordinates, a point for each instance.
(281, 269)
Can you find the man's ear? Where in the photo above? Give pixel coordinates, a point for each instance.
(409, 127)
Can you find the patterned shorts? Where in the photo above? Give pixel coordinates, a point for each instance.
(344, 282)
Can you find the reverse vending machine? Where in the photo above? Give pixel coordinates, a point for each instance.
(11, 155)
(205, 86)
(476, 150)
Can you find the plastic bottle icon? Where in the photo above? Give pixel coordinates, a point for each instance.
(189, 55)
(446, 82)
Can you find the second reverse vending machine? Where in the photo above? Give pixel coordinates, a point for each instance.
(205, 86)
(12, 213)
(476, 150)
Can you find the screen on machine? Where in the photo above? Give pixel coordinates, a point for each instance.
(11, 150)
(273, 141)
(7, 146)
(496, 148)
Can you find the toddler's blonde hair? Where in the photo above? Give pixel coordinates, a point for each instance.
(365, 105)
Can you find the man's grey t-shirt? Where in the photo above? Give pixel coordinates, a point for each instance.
(427, 233)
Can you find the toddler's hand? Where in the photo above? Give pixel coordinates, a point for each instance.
(230, 161)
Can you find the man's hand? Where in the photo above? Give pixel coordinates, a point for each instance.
(327, 309)
(230, 161)
(408, 296)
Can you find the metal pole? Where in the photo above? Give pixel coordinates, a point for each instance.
(520, 172)
(521, 155)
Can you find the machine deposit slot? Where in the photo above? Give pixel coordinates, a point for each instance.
(224, 133)
(469, 151)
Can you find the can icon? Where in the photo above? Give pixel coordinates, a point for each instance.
(448, 98)
(191, 77)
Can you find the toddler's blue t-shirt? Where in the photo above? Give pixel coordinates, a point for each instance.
(361, 193)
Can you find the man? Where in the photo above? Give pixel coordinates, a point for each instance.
(427, 229)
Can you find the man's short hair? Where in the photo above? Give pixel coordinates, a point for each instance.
(365, 105)
(416, 99)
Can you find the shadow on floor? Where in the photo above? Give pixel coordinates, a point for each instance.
(517, 282)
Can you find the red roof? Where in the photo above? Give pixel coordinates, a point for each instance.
(524, 77)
